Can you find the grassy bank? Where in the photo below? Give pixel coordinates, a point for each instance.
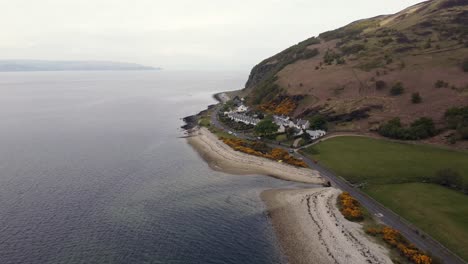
(393, 173)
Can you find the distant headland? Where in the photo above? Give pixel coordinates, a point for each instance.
(49, 65)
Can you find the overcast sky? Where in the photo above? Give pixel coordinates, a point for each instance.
(175, 34)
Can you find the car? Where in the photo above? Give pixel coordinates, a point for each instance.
(230, 132)
(291, 151)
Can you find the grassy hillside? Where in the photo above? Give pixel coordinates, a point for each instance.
(392, 173)
(351, 72)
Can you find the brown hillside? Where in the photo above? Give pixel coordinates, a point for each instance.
(337, 72)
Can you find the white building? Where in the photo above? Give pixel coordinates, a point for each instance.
(315, 134)
(242, 109)
(303, 124)
(283, 121)
(281, 129)
(248, 120)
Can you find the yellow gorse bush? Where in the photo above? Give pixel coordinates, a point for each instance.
(283, 107)
(274, 154)
(395, 239)
(350, 207)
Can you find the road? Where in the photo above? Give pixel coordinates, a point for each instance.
(386, 216)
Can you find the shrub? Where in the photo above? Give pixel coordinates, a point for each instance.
(392, 129)
(457, 117)
(280, 105)
(397, 89)
(262, 150)
(350, 207)
(318, 122)
(416, 98)
(420, 129)
(440, 84)
(465, 64)
(386, 41)
(396, 240)
(379, 85)
(330, 57)
(428, 44)
(352, 49)
(449, 178)
(463, 132)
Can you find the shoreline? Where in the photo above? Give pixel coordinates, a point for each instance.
(308, 225)
(311, 229)
(221, 157)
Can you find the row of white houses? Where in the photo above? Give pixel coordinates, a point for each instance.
(282, 121)
(248, 120)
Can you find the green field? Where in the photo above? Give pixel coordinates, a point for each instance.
(438, 211)
(393, 174)
(373, 161)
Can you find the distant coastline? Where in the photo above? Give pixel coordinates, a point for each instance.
(49, 65)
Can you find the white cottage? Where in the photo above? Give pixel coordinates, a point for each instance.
(316, 134)
(242, 109)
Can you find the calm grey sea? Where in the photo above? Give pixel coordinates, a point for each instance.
(92, 170)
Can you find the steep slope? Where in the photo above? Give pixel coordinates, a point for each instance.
(348, 74)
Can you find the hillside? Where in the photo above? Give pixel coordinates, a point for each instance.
(43, 65)
(364, 74)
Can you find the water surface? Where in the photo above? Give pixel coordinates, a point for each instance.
(92, 170)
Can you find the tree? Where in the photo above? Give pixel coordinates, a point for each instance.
(290, 132)
(397, 89)
(416, 98)
(420, 129)
(306, 137)
(266, 127)
(318, 122)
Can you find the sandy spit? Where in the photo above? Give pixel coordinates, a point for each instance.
(221, 157)
(312, 230)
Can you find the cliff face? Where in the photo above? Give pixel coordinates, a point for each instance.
(367, 72)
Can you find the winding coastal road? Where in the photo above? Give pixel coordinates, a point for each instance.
(385, 215)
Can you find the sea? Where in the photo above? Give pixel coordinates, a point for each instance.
(94, 169)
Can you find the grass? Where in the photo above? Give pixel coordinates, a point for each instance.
(393, 174)
(220, 133)
(205, 121)
(373, 161)
(440, 212)
(281, 138)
